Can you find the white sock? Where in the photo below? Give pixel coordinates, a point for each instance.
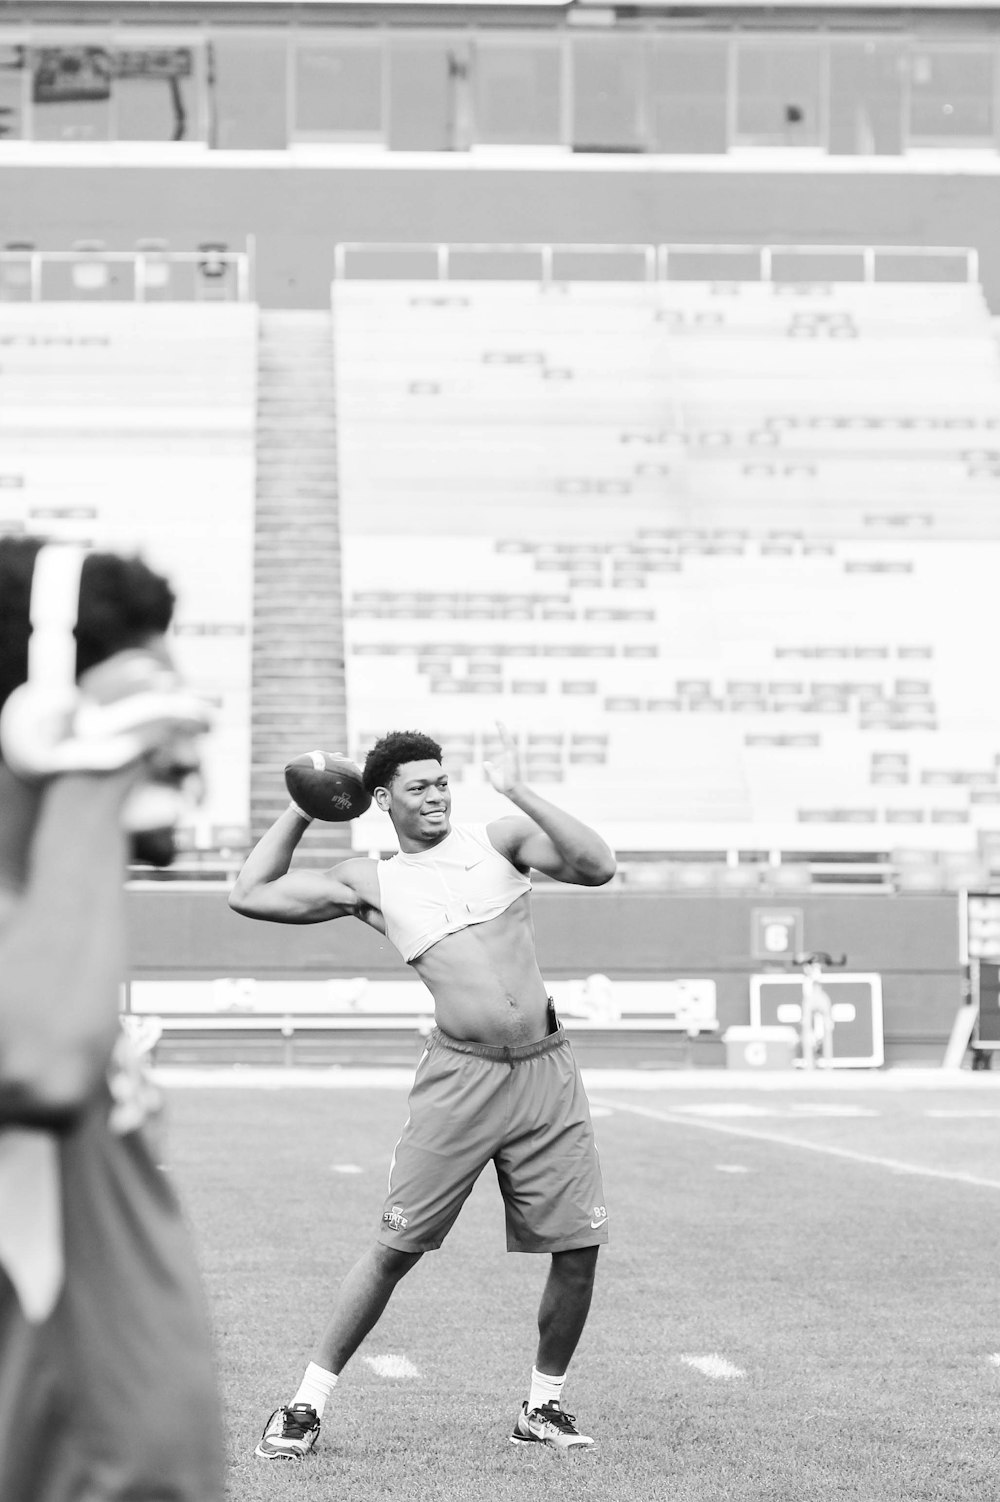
(315, 1388)
(544, 1389)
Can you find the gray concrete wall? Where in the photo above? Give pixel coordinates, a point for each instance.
(298, 213)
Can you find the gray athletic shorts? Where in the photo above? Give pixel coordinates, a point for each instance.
(526, 1109)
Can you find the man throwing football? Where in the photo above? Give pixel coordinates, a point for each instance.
(497, 1081)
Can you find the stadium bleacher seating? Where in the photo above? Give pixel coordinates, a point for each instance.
(132, 427)
(738, 535)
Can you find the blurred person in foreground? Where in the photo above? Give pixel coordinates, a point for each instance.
(107, 1383)
(497, 1081)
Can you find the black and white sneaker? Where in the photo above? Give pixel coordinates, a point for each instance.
(548, 1425)
(289, 1433)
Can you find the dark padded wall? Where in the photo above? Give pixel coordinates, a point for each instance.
(912, 941)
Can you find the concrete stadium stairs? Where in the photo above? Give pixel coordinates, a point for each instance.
(298, 699)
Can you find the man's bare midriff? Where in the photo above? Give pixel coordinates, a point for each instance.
(485, 980)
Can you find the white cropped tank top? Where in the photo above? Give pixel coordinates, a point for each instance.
(431, 893)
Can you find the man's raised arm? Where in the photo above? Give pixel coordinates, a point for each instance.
(266, 889)
(548, 839)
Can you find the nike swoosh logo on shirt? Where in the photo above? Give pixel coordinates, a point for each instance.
(595, 1225)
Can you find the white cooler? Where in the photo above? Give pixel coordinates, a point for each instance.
(761, 1047)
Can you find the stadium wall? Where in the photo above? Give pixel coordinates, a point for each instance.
(912, 941)
(298, 212)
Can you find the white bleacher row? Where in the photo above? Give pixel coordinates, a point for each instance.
(933, 475)
(576, 344)
(588, 447)
(937, 483)
(603, 517)
(625, 452)
(142, 333)
(607, 305)
(498, 345)
(590, 317)
(541, 449)
(762, 388)
(532, 400)
(601, 307)
(154, 410)
(536, 402)
(754, 605)
(498, 356)
(519, 395)
(699, 804)
(90, 353)
(552, 452)
(133, 428)
(781, 687)
(771, 504)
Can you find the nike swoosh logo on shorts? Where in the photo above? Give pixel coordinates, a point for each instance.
(595, 1225)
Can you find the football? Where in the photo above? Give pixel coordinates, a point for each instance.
(327, 785)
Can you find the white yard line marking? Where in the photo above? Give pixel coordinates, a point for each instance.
(714, 1366)
(995, 1359)
(392, 1366)
(601, 1111)
(959, 1115)
(671, 1118)
(347, 1168)
(822, 1108)
(731, 1168)
(729, 1108)
(733, 1108)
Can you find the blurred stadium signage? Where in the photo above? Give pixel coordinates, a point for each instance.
(775, 933)
(776, 1001)
(65, 75)
(980, 918)
(979, 936)
(985, 977)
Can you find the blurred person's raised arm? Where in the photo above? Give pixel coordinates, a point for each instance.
(62, 951)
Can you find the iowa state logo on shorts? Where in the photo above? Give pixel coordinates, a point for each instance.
(395, 1219)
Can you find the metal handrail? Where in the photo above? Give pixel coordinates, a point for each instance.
(141, 260)
(443, 250)
(656, 259)
(869, 255)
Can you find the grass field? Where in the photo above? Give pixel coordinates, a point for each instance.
(836, 1250)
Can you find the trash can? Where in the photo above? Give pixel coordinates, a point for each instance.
(761, 1047)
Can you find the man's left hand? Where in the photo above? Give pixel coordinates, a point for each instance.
(505, 772)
